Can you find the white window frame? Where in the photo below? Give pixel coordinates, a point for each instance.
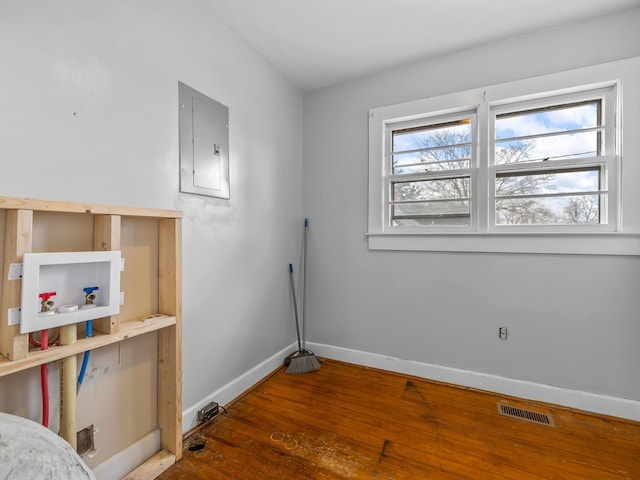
(616, 237)
(607, 163)
(471, 172)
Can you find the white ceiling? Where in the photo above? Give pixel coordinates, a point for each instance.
(316, 43)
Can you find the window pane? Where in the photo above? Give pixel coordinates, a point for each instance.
(455, 212)
(565, 146)
(567, 210)
(557, 130)
(440, 135)
(558, 118)
(584, 180)
(429, 190)
(438, 160)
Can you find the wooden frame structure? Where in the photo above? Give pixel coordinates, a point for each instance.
(15, 355)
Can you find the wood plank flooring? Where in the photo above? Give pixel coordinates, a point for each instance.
(347, 421)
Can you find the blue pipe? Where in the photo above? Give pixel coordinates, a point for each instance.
(85, 359)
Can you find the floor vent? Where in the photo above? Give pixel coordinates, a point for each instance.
(524, 414)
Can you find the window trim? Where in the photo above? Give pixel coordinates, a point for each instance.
(620, 244)
(570, 239)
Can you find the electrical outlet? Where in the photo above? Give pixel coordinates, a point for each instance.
(502, 333)
(208, 412)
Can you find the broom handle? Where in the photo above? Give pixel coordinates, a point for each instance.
(295, 304)
(304, 287)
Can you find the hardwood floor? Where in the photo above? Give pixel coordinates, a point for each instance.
(346, 421)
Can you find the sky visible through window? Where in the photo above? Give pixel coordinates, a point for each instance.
(556, 133)
(540, 137)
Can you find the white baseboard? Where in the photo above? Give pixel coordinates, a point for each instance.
(591, 402)
(238, 386)
(130, 458)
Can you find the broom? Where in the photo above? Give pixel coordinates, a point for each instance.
(300, 361)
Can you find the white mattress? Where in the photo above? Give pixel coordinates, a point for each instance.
(29, 451)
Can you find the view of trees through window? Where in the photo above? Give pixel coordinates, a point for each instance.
(545, 173)
(437, 159)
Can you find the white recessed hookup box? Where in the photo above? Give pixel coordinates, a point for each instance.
(68, 274)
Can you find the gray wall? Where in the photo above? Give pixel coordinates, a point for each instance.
(89, 113)
(573, 320)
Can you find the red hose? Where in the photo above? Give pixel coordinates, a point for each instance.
(44, 343)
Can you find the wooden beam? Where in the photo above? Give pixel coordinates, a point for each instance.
(153, 467)
(170, 339)
(129, 329)
(106, 237)
(18, 241)
(73, 207)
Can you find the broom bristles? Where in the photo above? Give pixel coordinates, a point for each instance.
(302, 361)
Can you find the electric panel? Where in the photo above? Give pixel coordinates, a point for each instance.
(204, 144)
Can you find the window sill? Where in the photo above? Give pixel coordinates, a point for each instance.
(563, 244)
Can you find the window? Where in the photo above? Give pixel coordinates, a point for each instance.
(554, 163)
(549, 164)
(530, 166)
(431, 170)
